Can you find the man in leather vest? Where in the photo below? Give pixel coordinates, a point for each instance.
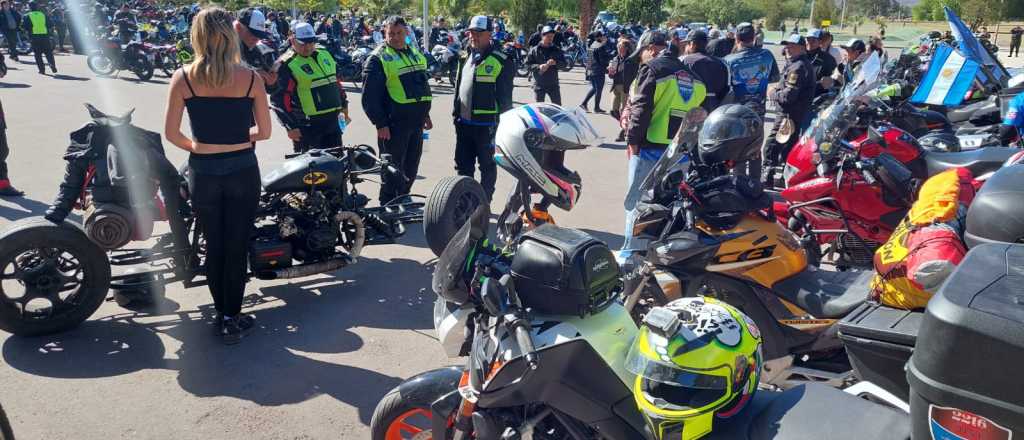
(309, 99)
(396, 98)
(482, 92)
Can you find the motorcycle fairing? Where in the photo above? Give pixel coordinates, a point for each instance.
(757, 249)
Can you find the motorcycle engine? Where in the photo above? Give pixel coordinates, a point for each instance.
(316, 226)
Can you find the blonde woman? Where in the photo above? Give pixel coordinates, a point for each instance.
(228, 111)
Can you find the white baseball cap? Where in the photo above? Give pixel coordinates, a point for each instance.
(255, 21)
(481, 23)
(304, 32)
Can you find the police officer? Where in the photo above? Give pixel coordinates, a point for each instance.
(251, 27)
(822, 62)
(751, 69)
(545, 60)
(794, 96)
(482, 92)
(309, 98)
(396, 98)
(664, 89)
(39, 26)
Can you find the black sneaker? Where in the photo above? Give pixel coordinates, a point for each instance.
(245, 321)
(231, 331)
(10, 191)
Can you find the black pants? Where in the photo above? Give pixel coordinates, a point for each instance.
(1014, 47)
(226, 206)
(596, 88)
(554, 92)
(405, 148)
(41, 46)
(475, 144)
(4, 151)
(322, 132)
(12, 43)
(62, 33)
(774, 154)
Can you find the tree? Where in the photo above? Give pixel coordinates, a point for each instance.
(381, 8)
(823, 10)
(527, 14)
(644, 12)
(777, 11)
(456, 9)
(855, 21)
(977, 13)
(588, 11)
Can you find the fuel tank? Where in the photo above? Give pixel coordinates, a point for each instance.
(302, 172)
(757, 249)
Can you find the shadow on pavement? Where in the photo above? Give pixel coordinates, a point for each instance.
(614, 241)
(270, 366)
(14, 85)
(29, 208)
(69, 77)
(616, 146)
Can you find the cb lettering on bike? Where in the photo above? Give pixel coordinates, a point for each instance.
(747, 255)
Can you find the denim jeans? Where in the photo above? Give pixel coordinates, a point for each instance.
(640, 166)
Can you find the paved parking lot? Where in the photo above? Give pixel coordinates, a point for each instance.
(327, 347)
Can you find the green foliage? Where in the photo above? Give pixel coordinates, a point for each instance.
(382, 8)
(527, 14)
(455, 9)
(490, 7)
(978, 13)
(824, 10)
(778, 11)
(931, 10)
(644, 12)
(721, 12)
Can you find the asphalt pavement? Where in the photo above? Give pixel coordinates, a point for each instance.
(326, 347)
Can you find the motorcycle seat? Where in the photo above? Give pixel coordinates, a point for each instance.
(965, 113)
(812, 411)
(980, 161)
(826, 294)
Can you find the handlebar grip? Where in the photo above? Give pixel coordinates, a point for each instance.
(526, 344)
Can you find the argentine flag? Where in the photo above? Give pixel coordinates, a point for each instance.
(948, 79)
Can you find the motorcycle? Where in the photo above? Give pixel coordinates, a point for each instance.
(310, 219)
(443, 62)
(183, 51)
(847, 184)
(518, 54)
(347, 70)
(522, 378)
(575, 54)
(113, 56)
(165, 57)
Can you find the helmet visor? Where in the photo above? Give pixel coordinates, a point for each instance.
(564, 129)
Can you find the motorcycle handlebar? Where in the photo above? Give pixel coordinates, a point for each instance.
(525, 341)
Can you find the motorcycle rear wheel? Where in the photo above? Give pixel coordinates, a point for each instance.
(395, 418)
(452, 202)
(100, 64)
(142, 68)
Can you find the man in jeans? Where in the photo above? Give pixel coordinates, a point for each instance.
(10, 20)
(665, 90)
(622, 70)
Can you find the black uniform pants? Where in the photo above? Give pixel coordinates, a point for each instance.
(226, 206)
(4, 151)
(41, 46)
(553, 91)
(321, 132)
(1014, 47)
(405, 148)
(12, 43)
(474, 144)
(596, 88)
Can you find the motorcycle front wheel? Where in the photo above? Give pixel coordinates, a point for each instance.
(143, 68)
(100, 64)
(395, 418)
(168, 65)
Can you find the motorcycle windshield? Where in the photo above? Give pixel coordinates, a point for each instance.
(677, 154)
(833, 122)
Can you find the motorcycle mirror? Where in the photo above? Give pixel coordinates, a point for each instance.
(490, 297)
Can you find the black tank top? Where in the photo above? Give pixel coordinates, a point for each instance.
(220, 120)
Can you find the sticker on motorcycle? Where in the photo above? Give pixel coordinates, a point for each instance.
(314, 178)
(957, 424)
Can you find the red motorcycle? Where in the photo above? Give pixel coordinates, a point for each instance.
(852, 177)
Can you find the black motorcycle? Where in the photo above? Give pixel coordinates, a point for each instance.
(311, 219)
(347, 68)
(113, 56)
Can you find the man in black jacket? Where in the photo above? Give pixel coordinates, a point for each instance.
(712, 71)
(622, 70)
(396, 98)
(10, 21)
(597, 67)
(823, 63)
(793, 95)
(545, 59)
(482, 92)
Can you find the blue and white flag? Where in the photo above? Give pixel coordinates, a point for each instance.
(950, 75)
(971, 48)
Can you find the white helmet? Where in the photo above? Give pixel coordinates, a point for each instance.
(531, 142)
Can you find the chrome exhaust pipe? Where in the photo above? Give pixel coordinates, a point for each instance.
(303, 270)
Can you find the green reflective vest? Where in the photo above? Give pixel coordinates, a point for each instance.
(405, 76)
(316, 83)
(485, 82)
(38, 20)
(674, 95)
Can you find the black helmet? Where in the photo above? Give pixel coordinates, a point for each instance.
(732, 132)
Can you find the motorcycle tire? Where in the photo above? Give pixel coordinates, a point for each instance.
(167, 65)
(21, 245)
(6, 433)
(395, 416)
(143, 68)
(450, 205)
(100, 64)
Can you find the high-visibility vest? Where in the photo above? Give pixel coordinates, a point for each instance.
(485, 79)
(674, 95)
(316, 83)
(405, 75)
(38, 20)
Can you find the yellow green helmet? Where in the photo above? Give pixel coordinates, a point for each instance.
(695, 359)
